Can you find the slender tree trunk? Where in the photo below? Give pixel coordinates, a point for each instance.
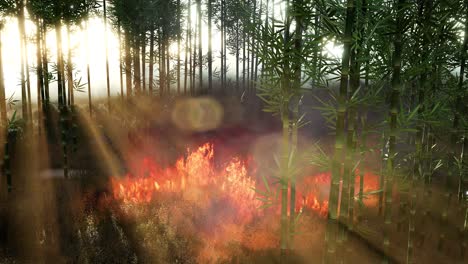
(286, 144)
(194, 60)
(143, 61)
(128, 64)
(200, 47)
(349, 173)
(3, 106)
(62, 97)
(88, 71)
(188, 47)
(237, 56)
(224, 46)
(355, 77)
(334, 203)
(119, 30)
(162, 63)
(394, 109)
(255, 77)
(210, 44)
(45, 63)
(222, 43)
(26, 69)
(151, 62)
(136, 64)
(362, 117)
(252, 47)
(60, 77)
(5, 168)
(168, 69)
(69, 69)
(24, 98)
(265, 33)
(248, 50)
(107, 53)
(179, 37)
(40, 75)
(244, 58)
(297, 72)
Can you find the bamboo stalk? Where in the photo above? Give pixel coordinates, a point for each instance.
(107, 54)
(151, 62)
(210, 48)
(178, 45)
(188, 46)
(119, 36)
(88, 71)
(200, 47)
(40, 77)
(3, 107)
(394, 109)
(24, 98)
(286, 141)
(334, 203)
(128, 64)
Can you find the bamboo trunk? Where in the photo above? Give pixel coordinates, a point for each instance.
(200, 47)
(24, 98)
(60, 77)
(45, 63)
(69, 69)
(143, 61)
(286, 144)
(188, 47)
(128, 64)
(119, 36)
(40, 76)
(136, 65)
(88, 71)
(252, 47)
(244, 58)
(162, 65)
(178, 45)
(340, 142)
(107, 54)
(3, 107)
(237, 56)
(257, 60)
(194, 59)
(151, 63)
(297, 72)
(168, 70)
(210, 55)
(394, 110)
(222, 43)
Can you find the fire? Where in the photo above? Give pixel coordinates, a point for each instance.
(313, 192)
(192, 177)
(195, 177)
(223, 195)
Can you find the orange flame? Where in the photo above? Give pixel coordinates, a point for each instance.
(227, 192)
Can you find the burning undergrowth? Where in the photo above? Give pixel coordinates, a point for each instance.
(221, 204)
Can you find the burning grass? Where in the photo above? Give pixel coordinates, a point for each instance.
(219, 204)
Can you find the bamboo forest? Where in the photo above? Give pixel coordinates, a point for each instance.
(233, 131)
